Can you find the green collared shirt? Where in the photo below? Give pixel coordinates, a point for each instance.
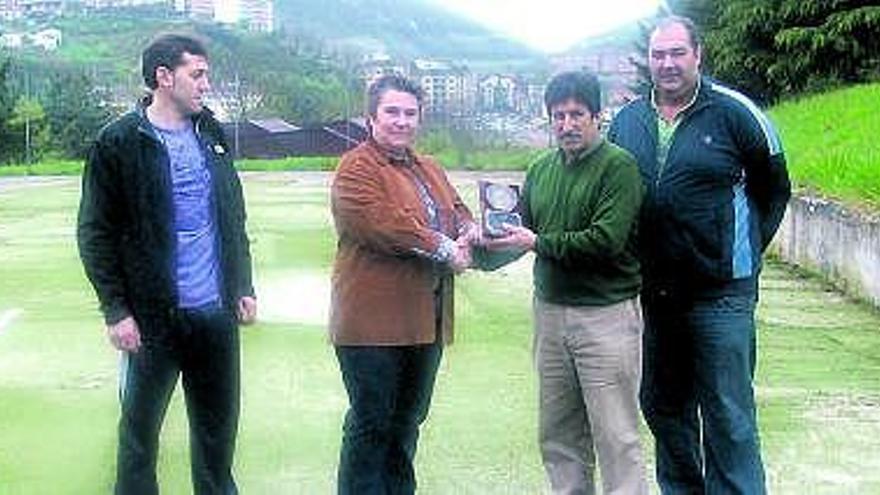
(666, 129)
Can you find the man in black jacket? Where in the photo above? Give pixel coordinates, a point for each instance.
(716, 190)
(161, 234)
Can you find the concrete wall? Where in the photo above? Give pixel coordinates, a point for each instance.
(842, 245)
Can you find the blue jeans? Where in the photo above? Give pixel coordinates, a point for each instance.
(389, 391)
(698, 371)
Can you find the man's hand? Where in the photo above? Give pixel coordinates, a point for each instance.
(461, 259)
(470, 234)
(247, 310)
(125, 335)
(515, 237)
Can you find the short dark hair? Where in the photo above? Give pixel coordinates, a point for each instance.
(684, 22)
(391, 82)
(581, 86)
(166, 50)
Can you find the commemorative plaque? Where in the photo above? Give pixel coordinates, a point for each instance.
(499, 204)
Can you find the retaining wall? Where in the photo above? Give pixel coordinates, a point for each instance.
(842, 245)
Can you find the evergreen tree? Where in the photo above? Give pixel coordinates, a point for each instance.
(774, 48)
(75, 113)
(829, 42)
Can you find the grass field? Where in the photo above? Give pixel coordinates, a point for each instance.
(818, 375)
(831, 143)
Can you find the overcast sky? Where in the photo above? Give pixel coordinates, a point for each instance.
(551, 25)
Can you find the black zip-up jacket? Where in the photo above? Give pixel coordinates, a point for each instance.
(125, 228)
(712, 209)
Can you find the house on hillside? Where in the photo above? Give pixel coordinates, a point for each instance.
(12, 40)
(275, 138)
(47, 39)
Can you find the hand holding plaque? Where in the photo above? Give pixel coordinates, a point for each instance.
(499, 204)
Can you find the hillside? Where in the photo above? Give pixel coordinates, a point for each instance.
(408, 29)
(111, 42)
(299, 85)
(831, 143)
(625, 36)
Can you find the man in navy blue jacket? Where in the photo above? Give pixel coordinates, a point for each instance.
(716, 190)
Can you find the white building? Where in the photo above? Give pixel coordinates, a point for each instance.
(258, 15)
(47, 39)
(12, 40)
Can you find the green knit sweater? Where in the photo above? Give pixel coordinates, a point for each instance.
(585, 214)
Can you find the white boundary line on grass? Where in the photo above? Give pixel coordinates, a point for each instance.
(7, 317)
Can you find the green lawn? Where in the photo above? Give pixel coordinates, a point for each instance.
(818, 376)
(831, 143)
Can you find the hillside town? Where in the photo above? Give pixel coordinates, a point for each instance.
(506, 103)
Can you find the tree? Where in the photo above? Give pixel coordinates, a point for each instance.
(741, 48)
(75, 113)
(642, 84)
(30, 130)
(303, 98)
(837, 43)
(7, 103)
(774, 48)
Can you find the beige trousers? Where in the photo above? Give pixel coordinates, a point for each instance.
(589, 362)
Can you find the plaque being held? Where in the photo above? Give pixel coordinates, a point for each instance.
(499, 204)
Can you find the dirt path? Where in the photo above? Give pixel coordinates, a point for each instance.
(14, 183)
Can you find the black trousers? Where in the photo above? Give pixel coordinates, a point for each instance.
(389, 391)
(202, 347)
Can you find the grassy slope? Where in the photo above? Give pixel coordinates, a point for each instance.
(817, 374)
(831, 143)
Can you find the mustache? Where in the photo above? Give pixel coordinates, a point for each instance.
(670, 72)
(570, 134)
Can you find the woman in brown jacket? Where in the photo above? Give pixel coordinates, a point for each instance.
(403, 232)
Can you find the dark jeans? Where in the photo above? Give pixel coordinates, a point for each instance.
(389, 392)
(699, 365)
(203, 348)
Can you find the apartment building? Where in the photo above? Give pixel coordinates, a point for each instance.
(257, 14)
(449, 89)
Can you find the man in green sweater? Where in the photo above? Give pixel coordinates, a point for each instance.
(580, 204)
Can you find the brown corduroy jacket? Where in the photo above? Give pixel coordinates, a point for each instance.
(383, 288)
